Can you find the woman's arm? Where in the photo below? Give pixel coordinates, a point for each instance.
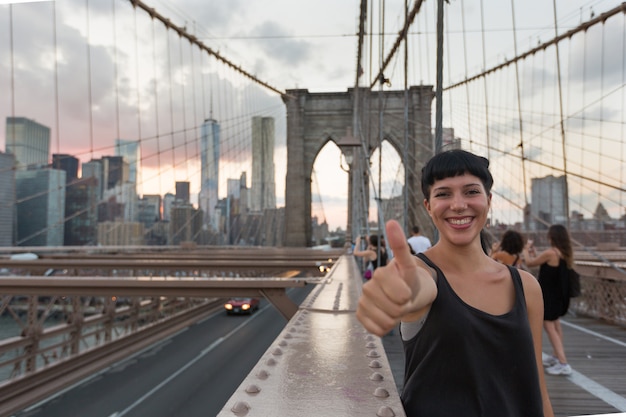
(534, 306)
(532, 259)
(365, 253)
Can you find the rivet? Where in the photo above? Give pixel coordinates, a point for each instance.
(253, 389)
(381, 393)
(375, 364)
(241, 408)
(277, 351)
(262, 374)
(271, 362)
(293, 330)
(370, 345)
(385, 411)
(288, 336)
(377, 376)
(369, 337)
(282, 343)
(373, 354)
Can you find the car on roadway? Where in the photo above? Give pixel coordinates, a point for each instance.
(241, 305)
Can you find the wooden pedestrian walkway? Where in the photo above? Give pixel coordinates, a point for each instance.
(596, 351)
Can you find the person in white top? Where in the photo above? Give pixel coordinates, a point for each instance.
(418, 242)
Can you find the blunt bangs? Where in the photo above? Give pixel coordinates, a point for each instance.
(453, 163)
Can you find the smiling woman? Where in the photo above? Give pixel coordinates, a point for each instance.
(483, 317)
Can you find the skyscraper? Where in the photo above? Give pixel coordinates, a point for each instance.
(29, 141)
(210, 161)
(95, 169)
(182, 191)
(263, 187)
(131, 151)
(7, 203)
(67, 163)
(40, 207)
(548, 201)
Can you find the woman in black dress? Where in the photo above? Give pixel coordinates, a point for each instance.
(554, 285)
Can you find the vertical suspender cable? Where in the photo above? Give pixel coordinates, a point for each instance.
(405, 156)
(56, 106)
(561, 121)
(621, 202)
(56, 76)
(89, 79)
(439, 87)
(519, 104)
(156, 105)
(115, 72)
(171, 97)
(184, 124)
(137, 79)
(380, 125)
(467, 94)
(486, 91)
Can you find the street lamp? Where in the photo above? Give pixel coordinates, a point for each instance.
(347, 144)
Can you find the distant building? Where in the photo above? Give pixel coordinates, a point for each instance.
(149, 210)
(67, 163)
(116, 171)
(29, 141)
(209, 163)
(95, 169)
(235, 209)
(110, 210)
(40, 195)
(182, 192)
(120, 233)
(185, 224)
(130, 150)
(548, 202)
(263, 187)
(125, 194)
(81, 212)
(7, 203)
(168, 202)
(448, 141)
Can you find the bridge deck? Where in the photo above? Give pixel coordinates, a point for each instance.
(597, 352)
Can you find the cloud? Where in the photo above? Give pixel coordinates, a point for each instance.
(280, 47)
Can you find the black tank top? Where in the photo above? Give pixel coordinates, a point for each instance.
(465, 362)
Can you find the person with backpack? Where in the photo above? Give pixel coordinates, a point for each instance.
(552, 263)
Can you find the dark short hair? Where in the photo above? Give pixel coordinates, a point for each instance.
(512, 242)
(416, 229)
(453, 163)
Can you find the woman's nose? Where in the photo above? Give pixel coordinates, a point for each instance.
(458, 203)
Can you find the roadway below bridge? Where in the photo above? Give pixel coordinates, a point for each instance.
(190, 374)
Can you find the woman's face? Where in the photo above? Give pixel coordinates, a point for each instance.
(459, 207)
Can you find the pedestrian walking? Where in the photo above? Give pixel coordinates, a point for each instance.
(553, 263)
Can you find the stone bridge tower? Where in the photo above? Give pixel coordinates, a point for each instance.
(313, 119)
